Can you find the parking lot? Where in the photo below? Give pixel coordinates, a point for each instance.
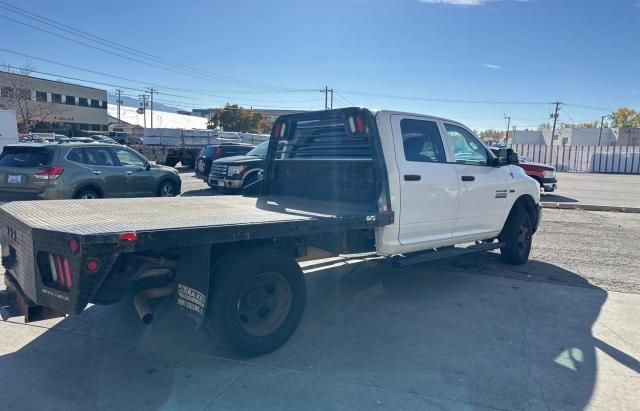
(560, 332)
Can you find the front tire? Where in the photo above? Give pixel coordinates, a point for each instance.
(167, 189)
(250, 187)
(257, 299)
(517, 234)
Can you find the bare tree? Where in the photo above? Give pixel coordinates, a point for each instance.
(16, 91)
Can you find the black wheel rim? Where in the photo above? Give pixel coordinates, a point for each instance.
(523, 237)
(264, 304)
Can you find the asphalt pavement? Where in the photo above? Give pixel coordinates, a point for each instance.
(616, 190)
(560, 332)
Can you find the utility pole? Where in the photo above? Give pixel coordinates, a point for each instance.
(506, 135)
(555, 119)
(143, 107)
(326, 92)
(119, 101)
(152, 91)
(601, 124)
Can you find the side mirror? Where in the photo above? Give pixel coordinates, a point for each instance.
(506, 156)
(147, 166)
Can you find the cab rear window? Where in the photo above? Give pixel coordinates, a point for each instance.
(24, 157)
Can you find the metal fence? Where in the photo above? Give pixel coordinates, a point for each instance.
(584, 159)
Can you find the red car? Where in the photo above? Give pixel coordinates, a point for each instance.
(542, 173)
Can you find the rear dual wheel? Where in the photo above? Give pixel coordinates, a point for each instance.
(257, 299)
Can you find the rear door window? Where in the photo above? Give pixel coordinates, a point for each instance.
(422, 141)
(76, 155)
(25, 157)
(99, 156)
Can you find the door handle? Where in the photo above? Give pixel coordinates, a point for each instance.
(468, 178)
(412, 177)
(96, 172)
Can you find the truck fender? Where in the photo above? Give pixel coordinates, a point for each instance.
(529, 204)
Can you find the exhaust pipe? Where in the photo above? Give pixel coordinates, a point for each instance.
(141, 301)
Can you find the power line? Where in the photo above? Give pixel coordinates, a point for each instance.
(445, 100)
(140, 81)
(125, 49)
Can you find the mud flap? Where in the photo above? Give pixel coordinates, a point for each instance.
(193, 281)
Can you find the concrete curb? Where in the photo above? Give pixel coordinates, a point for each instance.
(589, 207)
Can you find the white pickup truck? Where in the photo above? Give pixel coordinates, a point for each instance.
(406, 186)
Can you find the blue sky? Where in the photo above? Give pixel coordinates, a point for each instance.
(579, 52)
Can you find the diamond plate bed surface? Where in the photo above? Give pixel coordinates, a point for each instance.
(87, 217)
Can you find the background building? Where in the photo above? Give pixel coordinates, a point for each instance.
(45, 105)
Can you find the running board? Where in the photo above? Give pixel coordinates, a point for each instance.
(446, 253)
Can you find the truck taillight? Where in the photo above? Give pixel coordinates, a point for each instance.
(356, 125)
(55, 270)
(278, 131)
(49, 173)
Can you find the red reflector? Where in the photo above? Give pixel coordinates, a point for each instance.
(73, 246)
(61, 275)
(67, 272)
(92, 265)
(128, 236)
(276, 131)
(360, 125)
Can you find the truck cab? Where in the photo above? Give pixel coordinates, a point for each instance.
(446, 186)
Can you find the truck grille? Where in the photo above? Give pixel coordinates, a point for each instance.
(218, 171)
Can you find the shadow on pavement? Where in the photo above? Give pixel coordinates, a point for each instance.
(199, 193)
(443, 331)
(557, 198)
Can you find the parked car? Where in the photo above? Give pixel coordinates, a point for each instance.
(239, 173)
(544, 174)
(72, 169)
(104, 139)
(214, 152)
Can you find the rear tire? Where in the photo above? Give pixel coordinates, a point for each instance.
(517, 234)
(87, 194)
(256, 301)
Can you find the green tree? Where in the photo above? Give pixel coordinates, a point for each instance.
(491, 134)
(544, 126)
(232, 117)
(590, 124)
(624, 116)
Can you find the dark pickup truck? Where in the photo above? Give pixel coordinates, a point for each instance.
(335, 182)
(239, 173)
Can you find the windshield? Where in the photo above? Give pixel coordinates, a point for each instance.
(260, 150)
